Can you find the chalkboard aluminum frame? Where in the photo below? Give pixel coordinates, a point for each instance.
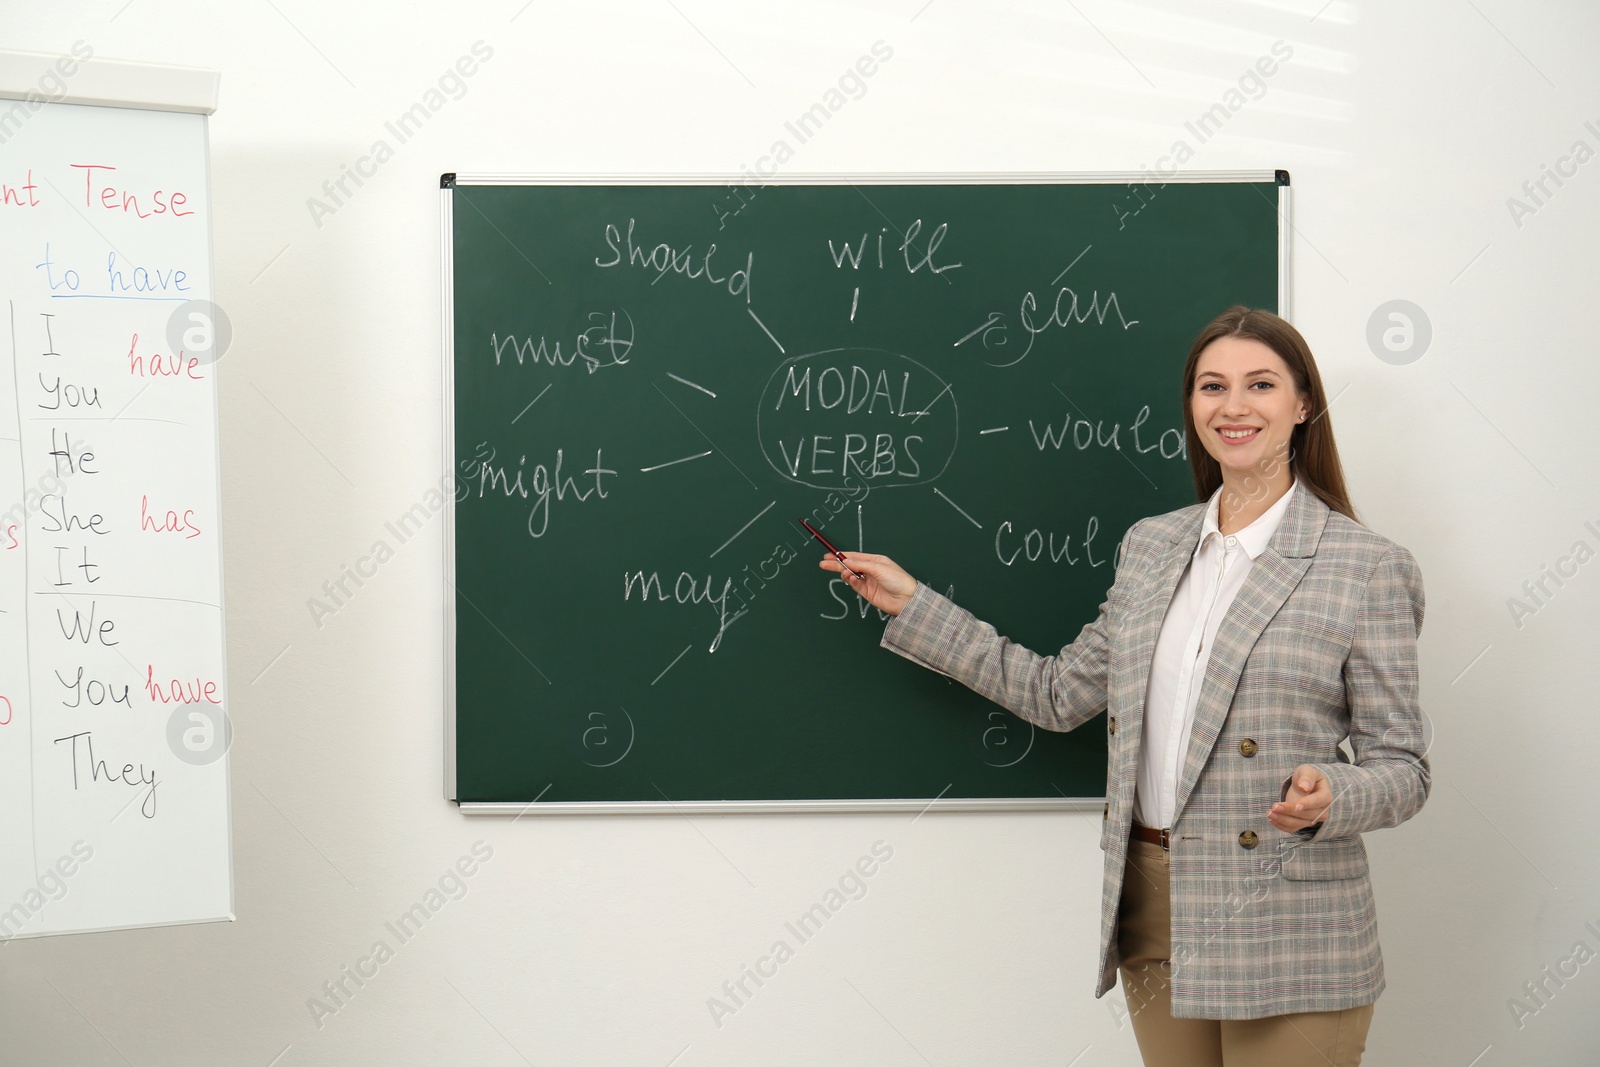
(447, 184)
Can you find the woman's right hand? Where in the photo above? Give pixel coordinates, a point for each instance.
(886, 587)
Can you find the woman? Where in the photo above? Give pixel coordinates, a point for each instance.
(1242, 640)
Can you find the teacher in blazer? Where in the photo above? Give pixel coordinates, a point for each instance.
(1243, 639)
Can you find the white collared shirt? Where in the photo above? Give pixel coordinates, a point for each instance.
(1215, 573)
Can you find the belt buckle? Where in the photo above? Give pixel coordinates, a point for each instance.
(1166, 838)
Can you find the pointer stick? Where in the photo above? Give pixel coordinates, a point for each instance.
(836, 553)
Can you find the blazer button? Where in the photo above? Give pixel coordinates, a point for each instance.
(1248, 747)
(1106, 814)
(1249, 839)
(1113, 724)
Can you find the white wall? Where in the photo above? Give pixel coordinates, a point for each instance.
(1406, 128)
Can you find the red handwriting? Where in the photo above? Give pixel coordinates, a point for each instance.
(179, 691)
(7, 702)
(113, 199)
(155, 365)
(170, 523)
(8, 537)
(11, 195)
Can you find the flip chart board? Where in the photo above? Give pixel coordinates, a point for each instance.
(648, 383)
(114, 801)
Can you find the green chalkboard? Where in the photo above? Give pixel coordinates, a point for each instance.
(647, 385)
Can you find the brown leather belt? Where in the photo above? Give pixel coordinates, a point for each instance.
(1154, 836)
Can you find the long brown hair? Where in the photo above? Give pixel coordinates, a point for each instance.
(1313, 456)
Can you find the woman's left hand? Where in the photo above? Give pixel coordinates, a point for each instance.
(1306, 802)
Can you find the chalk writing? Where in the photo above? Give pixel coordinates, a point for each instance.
(823, 414)
(1067, 310)
(605, 335)
(543, 485)
(1037, 545)
(845, 254)
(1084, 435)
(664, 258)
(848, 600)
(691, 593)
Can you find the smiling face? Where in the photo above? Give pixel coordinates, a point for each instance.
(1245, 407)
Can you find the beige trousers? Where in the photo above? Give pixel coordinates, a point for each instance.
(1303, 1039)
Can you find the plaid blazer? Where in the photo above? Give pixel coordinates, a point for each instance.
(1320, 644)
